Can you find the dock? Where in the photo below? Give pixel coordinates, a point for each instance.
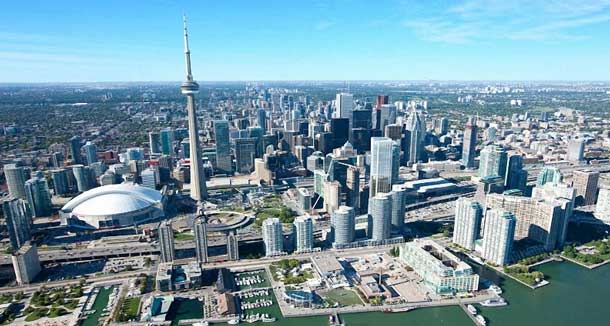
(471, 316)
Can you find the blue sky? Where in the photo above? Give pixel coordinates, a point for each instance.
(128, 40)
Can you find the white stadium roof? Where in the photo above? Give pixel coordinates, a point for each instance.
(113, 200)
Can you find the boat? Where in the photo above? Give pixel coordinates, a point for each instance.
(201, 323)
(471, 309)
(495, 289)
(480, 320)
(267, 319)
(404, 309)
(499, 302)
(233, 321)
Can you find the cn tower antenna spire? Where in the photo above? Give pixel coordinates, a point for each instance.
(187, 51)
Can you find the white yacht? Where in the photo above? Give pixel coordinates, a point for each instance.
(499, 302)
(233, 321)
(495, 289)
(481, 320)
(471, 309)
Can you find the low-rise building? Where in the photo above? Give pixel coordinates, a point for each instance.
(441, 270)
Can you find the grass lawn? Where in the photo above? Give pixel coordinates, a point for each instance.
(184, 236)
(343, 297)
(129, 309)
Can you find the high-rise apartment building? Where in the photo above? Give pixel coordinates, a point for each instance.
(493, 162)
(90, 150)
(343, 225)
(602, 208)
(303, 234)
(26, 263)
(549, 175)
(200, 228)
(166, 242)
(167, 141)
(576, 150)
(399, 203)
(273, 236)
(38, 197)
(499, 234)
(154, 142)
(380, 216)
(540, 220)
(75, 146)
(232, 246)
(15, 179)
(585, 184)
(18, 221)
(468, 215)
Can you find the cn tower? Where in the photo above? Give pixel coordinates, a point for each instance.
(189, 88)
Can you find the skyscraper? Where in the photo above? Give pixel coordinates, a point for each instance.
(549, 175)
(273, 236)
(261, 119)
(223, 147)
(576, 150)
(340, 129)
(493, 162)
(75, 145)
(381, 165)
(538, 219)
(468, 215)
(82, 176)
(470, 143)
(38, 197)
(245, 152)
(15, 180)
(602, 208)
(167, 141)
(343, 225)
(380, 216)
(189, 88)
(352, 187)
(200, 229)
(399, 202)
(26, 263)
(565, 197)
(499, 233)
(18, 221)
(417, 128)
(154, 141)
(232, 246)
(344, 104)
(90, 152)
(303, 234)
(516, 176)
(441, 126)
(166, 242)
(585, 184)
(61, 184)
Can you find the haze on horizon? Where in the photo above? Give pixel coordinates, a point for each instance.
(63, 41)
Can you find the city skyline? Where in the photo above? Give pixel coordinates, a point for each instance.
(339, 40)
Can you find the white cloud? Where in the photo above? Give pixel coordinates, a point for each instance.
(541, 20)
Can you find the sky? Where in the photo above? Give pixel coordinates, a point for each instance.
(128, 40)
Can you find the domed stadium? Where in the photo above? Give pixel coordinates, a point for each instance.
(113, 206)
